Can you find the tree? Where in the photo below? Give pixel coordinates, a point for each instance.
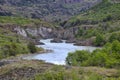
(77, 58)
(114, 36)
(107, 18)
(116, 46)
(99, 41)
(32, 48)
(80, 32)
(98, 59)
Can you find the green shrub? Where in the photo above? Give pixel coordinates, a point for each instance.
(32, 48)
(114, 36)
(11, 44)
(99, 41)
(12, 49)
(77, 58)
(108, 56)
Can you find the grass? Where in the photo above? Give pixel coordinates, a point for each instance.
(21, 64)
(10, 47)
(78, 73)
(24, 21)
(23, 69)
(14, 20)
(12, 44)
(45, 71)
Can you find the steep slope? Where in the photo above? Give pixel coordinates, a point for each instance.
(11, 44)
(102, 20)
(50, 10)
(28, 27)
(18, 35)
(103, 12)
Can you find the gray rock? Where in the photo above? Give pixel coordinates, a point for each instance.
(71, 41)
(56, 40)
(40, 43)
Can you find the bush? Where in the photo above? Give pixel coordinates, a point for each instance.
(108, 56)
(32, 48)
(77, 57)
(98, 59)
(12, 49)
(114, 36)
(99, 41)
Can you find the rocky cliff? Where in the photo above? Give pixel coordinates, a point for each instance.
(42, 31)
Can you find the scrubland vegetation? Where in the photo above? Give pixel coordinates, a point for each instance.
(12, 44)
(101, 64)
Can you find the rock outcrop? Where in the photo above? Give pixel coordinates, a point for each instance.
(41, 32)
(87, 42)
(35, 32)
(56, 40)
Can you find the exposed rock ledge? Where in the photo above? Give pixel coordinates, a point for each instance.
(87, 42)
(40, 32)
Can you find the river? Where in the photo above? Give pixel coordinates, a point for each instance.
(59, 53)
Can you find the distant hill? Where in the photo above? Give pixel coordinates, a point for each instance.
(101, 21)
(49, 10)
(108, 10)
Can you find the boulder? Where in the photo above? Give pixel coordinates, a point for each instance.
(70, 41)
(38, 42)
(56, 40)
(87, 42)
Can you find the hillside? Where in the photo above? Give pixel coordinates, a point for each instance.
(87, 23)
(17, 33)
(21, 21)
(38, 70)
(12, 44)
(49, 10)
(103, 19)
(104, 12)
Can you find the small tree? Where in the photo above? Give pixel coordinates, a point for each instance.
(77, 58)
(114, 36)
(116, 46)
(32, 48)
(99, 41)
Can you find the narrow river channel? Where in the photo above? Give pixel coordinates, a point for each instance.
(60, 51)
